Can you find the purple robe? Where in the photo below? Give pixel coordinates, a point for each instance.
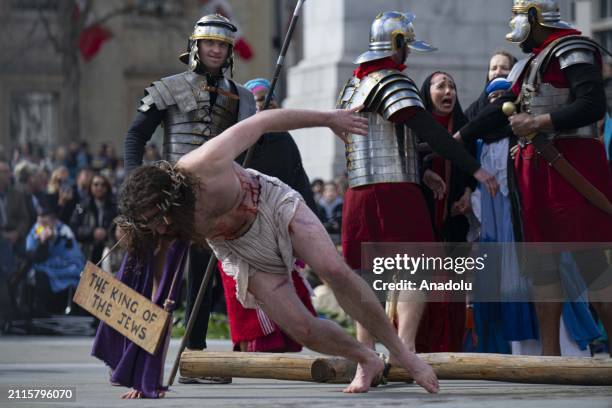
(131, 365)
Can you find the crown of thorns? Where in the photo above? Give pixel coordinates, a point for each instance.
(170, 199)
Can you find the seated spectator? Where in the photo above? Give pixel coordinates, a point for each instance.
(58, 158)
(341, 183)
(60, 189)
(23, 205)
(6, 239)
(317, 188)
(100, 159)
(151, 154)
(331, 210)
(105, 158)
(83, 183)
(83, 156)
(56, 260)
(23, 153)
(93, 218)
(111, 156)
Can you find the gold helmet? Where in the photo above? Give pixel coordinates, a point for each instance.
(547, 12)
(210, 27)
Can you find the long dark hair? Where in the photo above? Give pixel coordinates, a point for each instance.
(459, 119)
(107, 185)
(173, 191)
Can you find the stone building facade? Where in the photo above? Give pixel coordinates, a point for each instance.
(144, 47)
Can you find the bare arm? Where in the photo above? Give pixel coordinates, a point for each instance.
(217, 155)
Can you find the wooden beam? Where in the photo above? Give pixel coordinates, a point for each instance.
(448, 366)
(294, 367)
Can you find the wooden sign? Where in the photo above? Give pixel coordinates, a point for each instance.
(121, 307)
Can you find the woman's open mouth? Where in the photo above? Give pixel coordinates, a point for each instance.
(447, 103)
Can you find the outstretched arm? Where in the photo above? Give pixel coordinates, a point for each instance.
(219, 153)
(441, 142)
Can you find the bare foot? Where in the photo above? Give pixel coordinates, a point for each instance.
(421, 372)
(366, 372)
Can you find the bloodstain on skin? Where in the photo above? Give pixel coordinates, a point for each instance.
(236, 222)
(249, 184)
(281, 284)
(224, 231)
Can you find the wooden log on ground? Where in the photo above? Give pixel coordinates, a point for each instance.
(448, 366)
(481, 366)
(295, 367)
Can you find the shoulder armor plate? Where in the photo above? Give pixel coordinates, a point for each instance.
(180, 87)
(153, 97)
(576, 50)
(363, 91)
(395, 92)
(347, 92)
(146, 103)
(576, 55)
(517, 69)
(384, 92)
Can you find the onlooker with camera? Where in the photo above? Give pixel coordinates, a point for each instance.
(56, 260)
(60, 189)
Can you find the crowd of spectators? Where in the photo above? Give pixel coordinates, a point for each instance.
(56, 212)
(329, 197)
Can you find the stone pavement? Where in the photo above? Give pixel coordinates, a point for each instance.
(65, 361)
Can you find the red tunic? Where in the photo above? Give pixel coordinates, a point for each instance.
(395, 212)
(254, 326)
(554, 211)
(384, 212)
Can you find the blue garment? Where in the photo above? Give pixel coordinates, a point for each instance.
(65, 261)
(497, 324)
(576, 314)
(518, 317)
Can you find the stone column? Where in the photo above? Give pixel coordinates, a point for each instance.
(584, 17)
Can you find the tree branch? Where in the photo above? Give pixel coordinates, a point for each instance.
(112, 14)
(47, 26)
(83, 15)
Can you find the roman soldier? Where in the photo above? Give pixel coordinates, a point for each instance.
(196, 105)
(561, 171)
(384, 202)
(193, 107)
